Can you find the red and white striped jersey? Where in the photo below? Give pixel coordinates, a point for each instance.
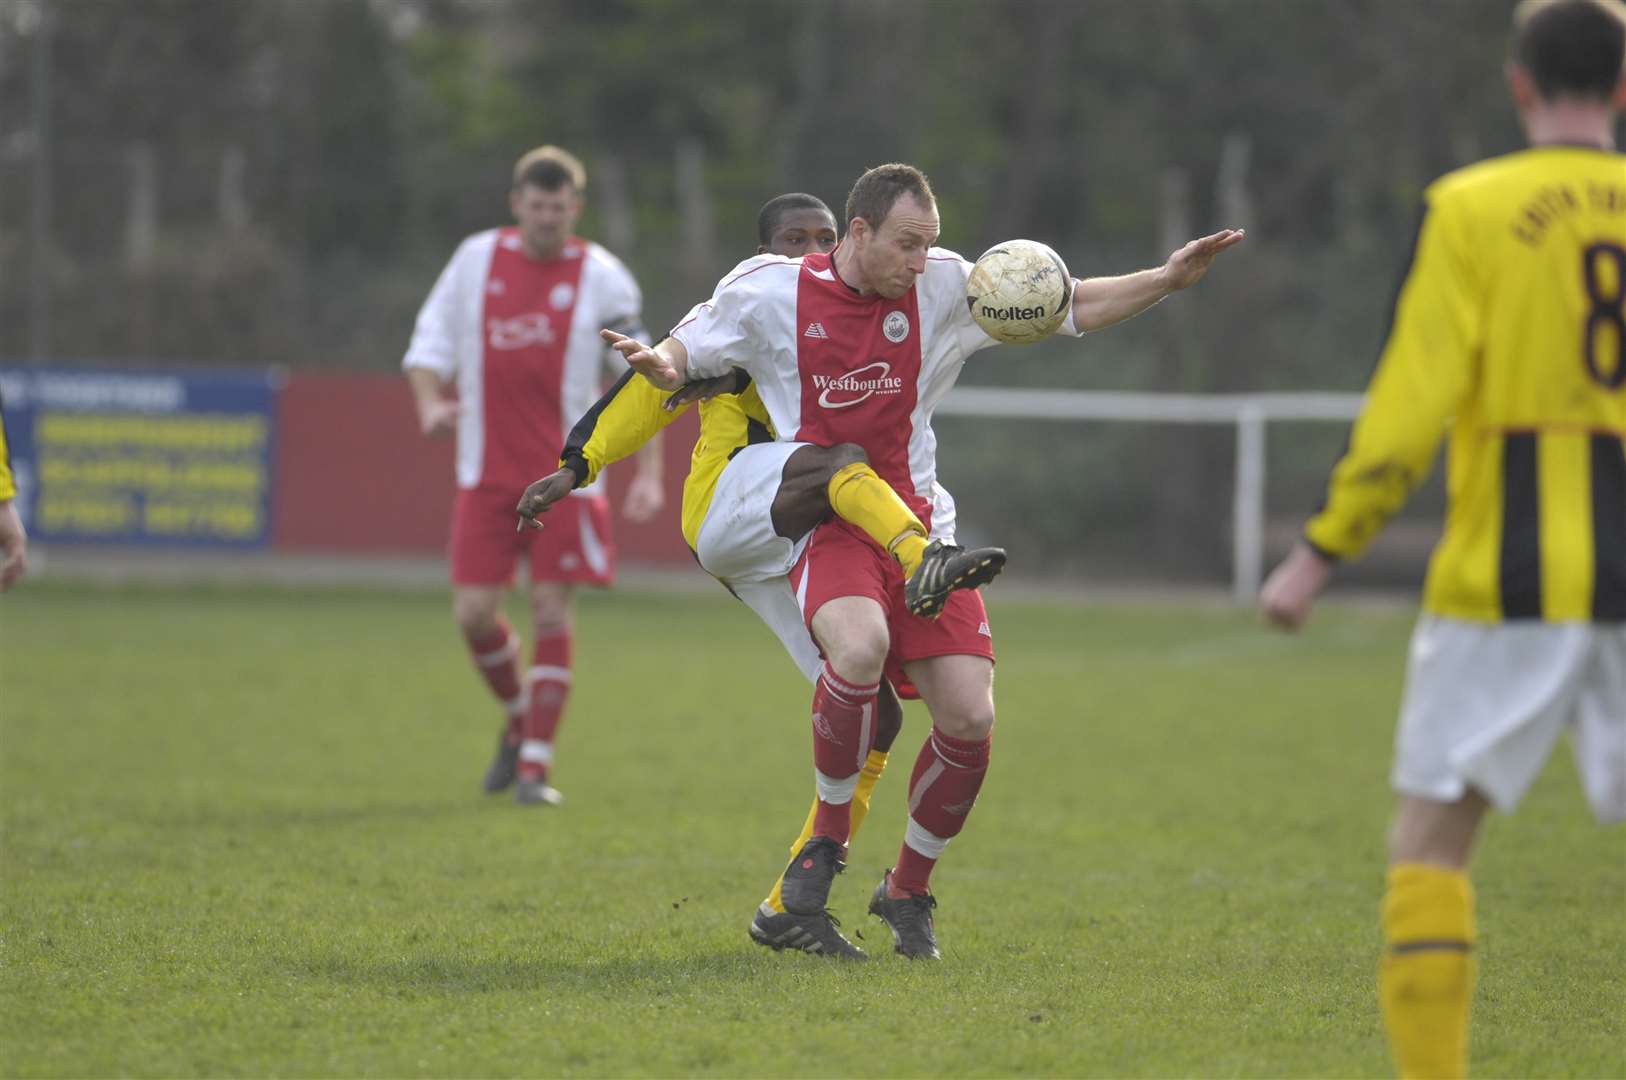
(833, 366)
(520, 337)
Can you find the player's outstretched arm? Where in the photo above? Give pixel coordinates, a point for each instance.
(666, 365)
(734, 382)
(627, 420)
(542, 494)
(1290, 592)
(1102, 302)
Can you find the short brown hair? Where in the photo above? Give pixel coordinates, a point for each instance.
(874, 193)
(549, 168)
(1571, 48)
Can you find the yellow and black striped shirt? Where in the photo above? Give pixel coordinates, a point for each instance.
(8, 486)
(1509, 330)
(633, 410)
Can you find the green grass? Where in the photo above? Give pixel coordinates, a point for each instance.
(242, 836)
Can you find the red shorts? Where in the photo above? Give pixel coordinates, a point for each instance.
(839, 560)
(574, 545)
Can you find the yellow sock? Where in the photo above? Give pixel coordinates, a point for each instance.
(871, 772)
(1426, 977)
(774, 899)
(874, 766)
(860, 496)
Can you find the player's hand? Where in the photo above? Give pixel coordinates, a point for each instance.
(542, 494)
(438, 419)
(645, 360)
(704, 390)
(13, 546)
(645, 497)
(1291, 590)
(1187, 266)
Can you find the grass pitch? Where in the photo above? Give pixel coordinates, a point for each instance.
(243, 836)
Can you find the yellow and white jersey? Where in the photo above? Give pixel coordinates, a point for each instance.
(728, 423)
(1509, 330)
(634, 410)
(8, 486)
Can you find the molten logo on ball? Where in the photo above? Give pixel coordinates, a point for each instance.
(1010, 313)
(1019, 292)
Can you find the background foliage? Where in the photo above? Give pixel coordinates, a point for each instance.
(266, 182)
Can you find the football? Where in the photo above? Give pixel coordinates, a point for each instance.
(1019, 292)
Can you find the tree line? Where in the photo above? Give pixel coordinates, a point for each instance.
(268, 182)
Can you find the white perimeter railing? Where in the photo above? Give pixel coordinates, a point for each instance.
(1249, 413)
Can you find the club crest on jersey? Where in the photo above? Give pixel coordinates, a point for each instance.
(895, 326)
(520, 332)
(562, 296)
(855, 387)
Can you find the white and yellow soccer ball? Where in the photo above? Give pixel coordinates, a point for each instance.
(1019, 292)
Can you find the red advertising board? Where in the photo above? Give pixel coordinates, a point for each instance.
(353, 474)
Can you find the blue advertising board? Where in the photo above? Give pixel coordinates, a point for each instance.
(142, 457)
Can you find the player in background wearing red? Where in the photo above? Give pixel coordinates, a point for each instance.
(513, 324)
(859, 346)
(1508, 332)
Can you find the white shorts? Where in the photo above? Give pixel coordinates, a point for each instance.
(736, 542)
(775, 602)
(1486, 702)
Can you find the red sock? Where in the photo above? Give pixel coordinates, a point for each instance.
(843, 729)
(550, 686)
(496, 657)
(942, 790)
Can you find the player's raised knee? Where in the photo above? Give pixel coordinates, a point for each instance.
(859, 659)
(965, 720)
(855, 639)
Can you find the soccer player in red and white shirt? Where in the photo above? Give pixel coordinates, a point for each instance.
(513, 322)
(859, 346)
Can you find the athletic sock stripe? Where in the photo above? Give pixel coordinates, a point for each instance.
(960, 758)
(550, 673)
(1609, 527)
(923, 841)
(927, 779)
(509, 650)
(1520, 564)
(1436, 945)
(835, 790)
(835, 682)
(842, 698)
